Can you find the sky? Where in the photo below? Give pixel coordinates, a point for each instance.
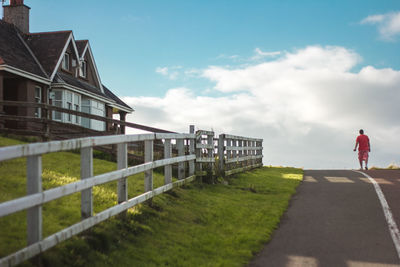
(303, 75)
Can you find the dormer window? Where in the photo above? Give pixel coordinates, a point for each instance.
(65, 62)
(83, 69)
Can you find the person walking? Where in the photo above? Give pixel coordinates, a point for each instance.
(364, 148)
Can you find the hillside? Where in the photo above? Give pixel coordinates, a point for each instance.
(199, 224)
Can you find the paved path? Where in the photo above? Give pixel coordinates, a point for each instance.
(336, 219)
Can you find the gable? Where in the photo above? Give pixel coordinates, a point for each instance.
(73, 60)
(91, 76)
(86, 55)
(69, 47)
(47, 47)
(81, 45)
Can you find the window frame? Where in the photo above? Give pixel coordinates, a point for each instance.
(76, 98)
(83, 69)
(74, 103)
(38, 99)
(61, 105)
(66, 62)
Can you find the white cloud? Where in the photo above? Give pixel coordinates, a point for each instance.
(388, 24)
(307, 106)
(162, 70)
(373, 19)
(223, 56)
(193, 72)
(260, 54)
(171, 72)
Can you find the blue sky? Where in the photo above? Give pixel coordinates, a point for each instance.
(303, 75)
(132, 38)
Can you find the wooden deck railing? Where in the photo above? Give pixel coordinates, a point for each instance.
(46, 125)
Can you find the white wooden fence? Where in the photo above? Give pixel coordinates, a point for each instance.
(238, 153)
(193, 149)
(234, 153)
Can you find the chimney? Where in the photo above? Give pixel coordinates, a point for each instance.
(18, 14)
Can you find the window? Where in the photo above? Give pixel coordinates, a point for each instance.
(68, 100)
(38, 99)
(77, 104)
(83, 69)
(69, 105)
(57, 101)
(85, 122)
(96, 108)
(65, 62)
(72, 101)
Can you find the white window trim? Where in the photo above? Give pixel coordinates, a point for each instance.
(38, 110)
(64, 63)
(62, 105)
(83, 69)
(93, 107)
(68, 105)
(76, 107)
(65, 117)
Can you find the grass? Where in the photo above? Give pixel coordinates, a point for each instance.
(196, 225)
(391, 166)
(58, 169)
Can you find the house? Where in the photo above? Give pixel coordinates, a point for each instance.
(54, 70)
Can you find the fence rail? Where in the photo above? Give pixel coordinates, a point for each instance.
(238, 153)
(46, 124)
(196, 157)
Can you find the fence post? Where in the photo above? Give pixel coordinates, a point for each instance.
(246, 153)
(167, 155)
(122, 163)
(234, 154)
(86, 172)
(148, 157)
(240, 152)
(191, 151)
(259, 151)
(199, 165)
(210, 154)
(253, 153)
(34, 185)
(221, 157)
(181, 152)
(228, 154)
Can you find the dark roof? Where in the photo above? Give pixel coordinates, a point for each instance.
(47, 47)
(68, 79)
(80, 45)
(114, 97)
(13, 51)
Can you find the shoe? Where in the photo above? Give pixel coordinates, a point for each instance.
(366, 168)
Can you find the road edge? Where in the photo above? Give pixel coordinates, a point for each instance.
(393, 229)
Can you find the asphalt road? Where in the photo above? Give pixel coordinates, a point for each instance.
(335, 219)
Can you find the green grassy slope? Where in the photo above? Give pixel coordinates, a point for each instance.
(58, 169)
(197, 225)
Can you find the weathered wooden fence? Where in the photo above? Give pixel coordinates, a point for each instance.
(227, 154)
(49, 129)
(196, 157)
(238, 154)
